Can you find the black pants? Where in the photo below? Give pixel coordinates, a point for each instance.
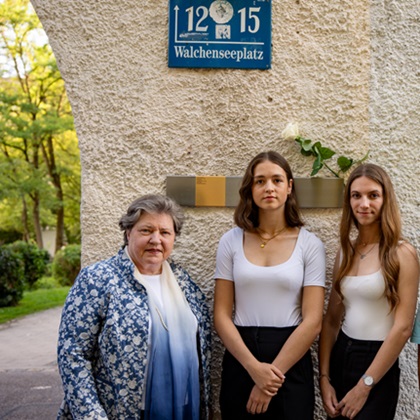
(295, 399)
(350, 359)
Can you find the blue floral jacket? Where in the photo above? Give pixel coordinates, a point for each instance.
(103, 341)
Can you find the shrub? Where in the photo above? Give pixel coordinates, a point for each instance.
(11, 277)
(66, 264)
(46, 282)
(9, 236)
(35, 260)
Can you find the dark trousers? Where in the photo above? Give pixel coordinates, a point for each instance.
(350, 359)
(295, 399)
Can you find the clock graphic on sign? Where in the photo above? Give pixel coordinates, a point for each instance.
(221, 11)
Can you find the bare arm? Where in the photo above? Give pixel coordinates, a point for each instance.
(330, 328)
(266, 376)
(305, 334)
(400, 332)
(297, 344)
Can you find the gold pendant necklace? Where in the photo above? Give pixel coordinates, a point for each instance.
(265, 241)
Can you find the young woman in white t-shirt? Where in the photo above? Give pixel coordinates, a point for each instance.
(372, 303)
(270, 273)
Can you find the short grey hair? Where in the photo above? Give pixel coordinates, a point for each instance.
(152, 204)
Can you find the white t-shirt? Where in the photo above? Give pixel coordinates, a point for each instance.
(155, 283)
(270, 296)
(367, 315)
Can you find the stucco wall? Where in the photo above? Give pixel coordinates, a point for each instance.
(346, 70)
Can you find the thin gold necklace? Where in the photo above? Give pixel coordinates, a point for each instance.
(363, 256)
(264, 241)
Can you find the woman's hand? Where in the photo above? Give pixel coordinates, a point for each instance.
(329, 397)
(267, 377)
(258, 401)
(354, 400)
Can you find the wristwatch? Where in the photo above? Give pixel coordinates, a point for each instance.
(368, 380)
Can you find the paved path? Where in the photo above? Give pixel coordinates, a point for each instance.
(30, 386)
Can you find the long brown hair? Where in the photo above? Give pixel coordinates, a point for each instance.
(246, 214)
(390, 231)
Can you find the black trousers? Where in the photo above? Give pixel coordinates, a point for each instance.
(350, 359)
(295, 399)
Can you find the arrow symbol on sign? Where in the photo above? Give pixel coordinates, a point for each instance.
(176, 8)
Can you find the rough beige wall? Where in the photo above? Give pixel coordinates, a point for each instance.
(394, 107)
(336, 69)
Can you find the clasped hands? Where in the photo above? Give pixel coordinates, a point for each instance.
(268, 379)
(349, 406)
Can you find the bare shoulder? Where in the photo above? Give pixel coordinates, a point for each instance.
(407, 252)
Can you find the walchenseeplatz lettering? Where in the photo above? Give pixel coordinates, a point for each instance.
(201, 53)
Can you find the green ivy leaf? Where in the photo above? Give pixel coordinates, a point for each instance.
(326, 152)
(306, 146)
(344, 163)
(317, 166)
(321, 154)
(316, 149)
(306, 153)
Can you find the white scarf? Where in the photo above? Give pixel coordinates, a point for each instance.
(173, 389)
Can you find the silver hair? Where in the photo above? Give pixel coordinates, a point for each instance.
(152, 204)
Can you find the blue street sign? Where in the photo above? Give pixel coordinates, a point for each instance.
(220, 34)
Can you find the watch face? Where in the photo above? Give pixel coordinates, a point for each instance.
(368, 380)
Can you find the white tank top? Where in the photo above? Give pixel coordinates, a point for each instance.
(368, 314)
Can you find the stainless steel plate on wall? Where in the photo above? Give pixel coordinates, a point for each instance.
(212, 191)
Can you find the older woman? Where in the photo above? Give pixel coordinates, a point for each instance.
(134, 339)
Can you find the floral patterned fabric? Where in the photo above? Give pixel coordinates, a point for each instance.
(103, 341)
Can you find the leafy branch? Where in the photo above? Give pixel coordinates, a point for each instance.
(320, 153)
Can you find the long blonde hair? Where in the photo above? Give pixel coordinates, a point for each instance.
(390, 231)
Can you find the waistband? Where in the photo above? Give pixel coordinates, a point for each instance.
(349, 341)
(263, 333)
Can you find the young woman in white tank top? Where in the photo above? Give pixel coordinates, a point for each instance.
(372, 303)
(271, 272)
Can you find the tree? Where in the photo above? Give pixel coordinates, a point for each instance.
(39, 164)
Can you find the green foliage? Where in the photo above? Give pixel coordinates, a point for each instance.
(66, 264)
(8, 236)
(322, 154)
(46, 282)
(39, 156)
(35, 260)
(35, 301)
(11, 277)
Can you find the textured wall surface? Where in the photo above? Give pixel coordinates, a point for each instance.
(347, 71)
(394, 108)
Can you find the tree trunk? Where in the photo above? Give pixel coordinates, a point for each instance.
(25, 224)
(59, 238)
(49, 159)
(37, 221)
